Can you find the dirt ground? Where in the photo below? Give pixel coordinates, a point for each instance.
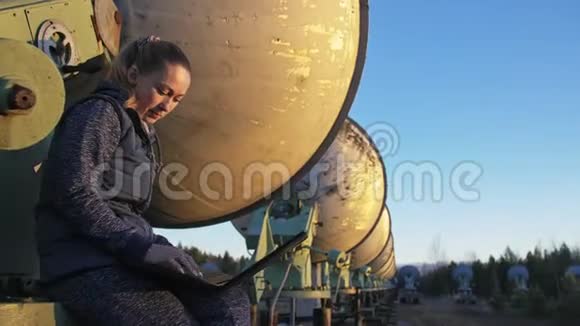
(444, 312)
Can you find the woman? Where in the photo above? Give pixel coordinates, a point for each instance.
(94, 244)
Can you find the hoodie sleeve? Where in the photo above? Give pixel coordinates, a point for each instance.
(85, 141)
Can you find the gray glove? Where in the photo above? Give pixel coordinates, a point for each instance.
(172, 258)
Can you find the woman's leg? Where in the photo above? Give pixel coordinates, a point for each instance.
(117, 296)
(228, 307)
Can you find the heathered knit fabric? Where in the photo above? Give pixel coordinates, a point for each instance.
(117, 296)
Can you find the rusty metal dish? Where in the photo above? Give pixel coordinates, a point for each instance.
(272, 83)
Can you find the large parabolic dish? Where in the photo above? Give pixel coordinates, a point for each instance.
(518, 272)
(390, 269)
(349, 184)
(272, 84)
(408, 271)
(463, 272)
(385, 254)
(574, 271)
(381, 270)
(373, 245)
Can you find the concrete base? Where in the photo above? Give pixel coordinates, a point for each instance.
(33, 314)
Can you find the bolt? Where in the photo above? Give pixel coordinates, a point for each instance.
(21, 98)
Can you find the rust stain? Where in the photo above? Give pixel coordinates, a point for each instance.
(278, 41)
(353, 136)
(337, 41)
(317, 28)
(273, 108)
(301, 59)
(231, 45)
(255, 122)
(301, 72)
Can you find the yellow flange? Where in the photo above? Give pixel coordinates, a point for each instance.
(33, 95)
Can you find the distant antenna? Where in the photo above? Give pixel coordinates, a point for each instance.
(463, 274)
(409, 276)
(520, 276)
(574, 271)
(210, 267)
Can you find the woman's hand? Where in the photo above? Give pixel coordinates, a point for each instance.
(172, 258)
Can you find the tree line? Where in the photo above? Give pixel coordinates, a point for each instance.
(226, 263)
(550, 292)
(546, 269)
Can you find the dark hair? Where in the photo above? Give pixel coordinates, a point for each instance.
(148, 55)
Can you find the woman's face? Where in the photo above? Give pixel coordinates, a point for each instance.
(159, 92)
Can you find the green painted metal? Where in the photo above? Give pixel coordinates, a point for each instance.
(275, 224)
(76, 16)
(5, 88)
(300, 276)
(339, 269)
(14, 25)
(360, 278)
(265, 245)
(20, 21)
(24, 141)
(18, 249)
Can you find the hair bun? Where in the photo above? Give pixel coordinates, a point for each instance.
(151, 38)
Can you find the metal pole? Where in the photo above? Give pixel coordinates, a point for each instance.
(273, 321)
(318, 276)
(254, 315)
(293, 312)
(357, 300)
(338, 282)
(363, 299)
(326, 312)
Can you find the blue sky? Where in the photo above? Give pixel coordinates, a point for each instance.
(493, 82)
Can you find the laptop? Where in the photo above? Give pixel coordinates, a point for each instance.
(222, 281)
